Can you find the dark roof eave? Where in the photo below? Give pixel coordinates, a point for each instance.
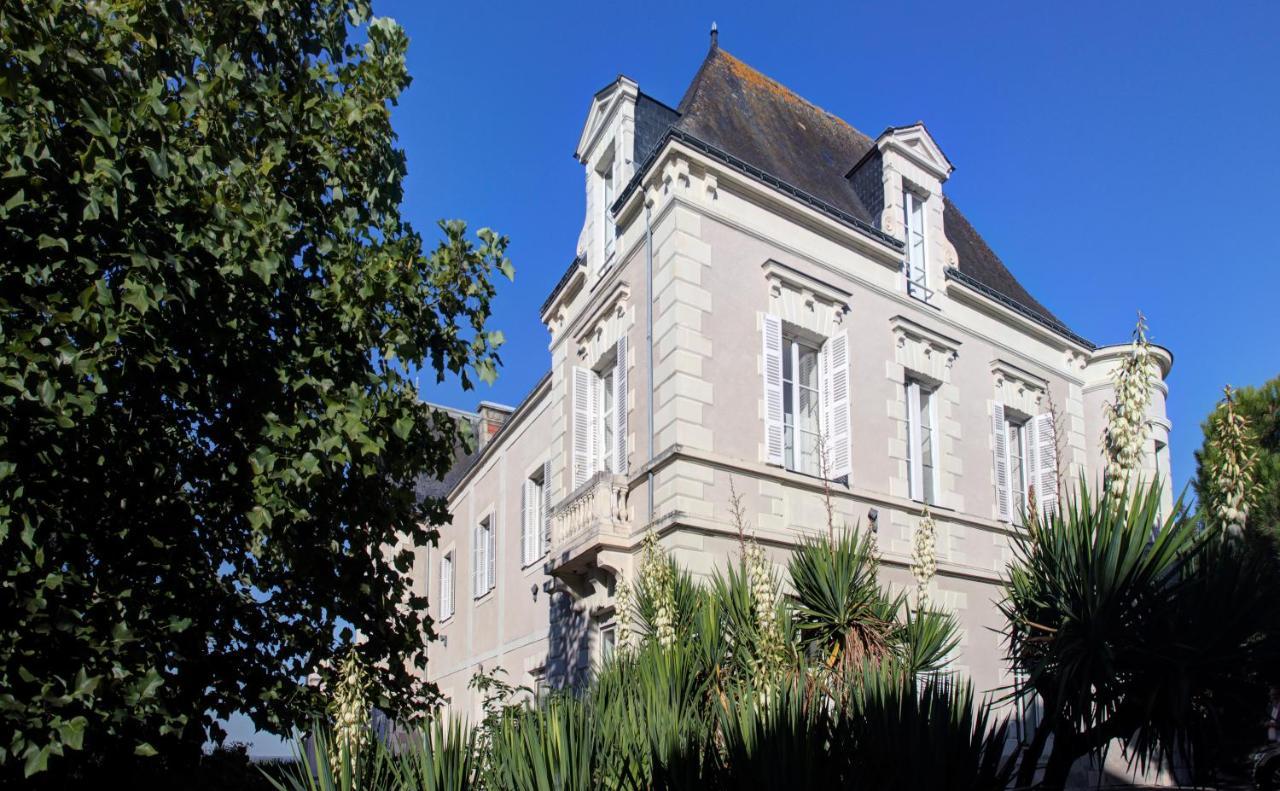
(1056, 327)
(740, 166)
(497, 435)
(564, 281)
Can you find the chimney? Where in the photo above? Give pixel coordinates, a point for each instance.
(715, 36)
(492, 416)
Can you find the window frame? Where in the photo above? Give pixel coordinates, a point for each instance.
(930, 487)
(1017, 489)
(536, 484)
(608, 193)
(606, 419)
(792, 344)
(483, 550)
(448, 589)
(608, 641)
(915, 205)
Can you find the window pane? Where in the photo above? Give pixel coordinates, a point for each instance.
(1017, 467)
(809, 461)
(788, 349)
(808, 368)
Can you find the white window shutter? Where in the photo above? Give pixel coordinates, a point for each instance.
(446, 606)
(620, 408)
(545, 522)
(916, 474)
(835, 396)
(527, 523)
(583, 425)
(1046, 465)
(490, 555)
(477, 562)
(999, 432)
(773, 449)
(597, 393)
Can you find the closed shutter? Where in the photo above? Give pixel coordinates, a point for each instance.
(773, 449)
(835, 396)
(914, 442)
(1046, 464)
(1001, 444)
(620, 408)
(583, 424)
(490, 555)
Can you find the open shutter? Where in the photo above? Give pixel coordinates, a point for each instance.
(835, 395)
(545, 521)
(773, 450)
(528, 525)
(490, 555)
(1046, 464)
(1001, 444)
(477, 562)
(620, 408)
(914, 442)
(445, 604)
(583, 425)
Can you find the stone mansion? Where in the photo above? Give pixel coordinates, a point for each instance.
(757, 281)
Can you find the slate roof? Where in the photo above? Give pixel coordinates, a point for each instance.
(742, 112)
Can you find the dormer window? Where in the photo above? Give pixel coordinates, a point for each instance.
(917, 264)
(608, 195)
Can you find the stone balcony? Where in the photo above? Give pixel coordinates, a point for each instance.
(592, 517)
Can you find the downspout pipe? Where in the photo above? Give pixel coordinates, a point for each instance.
(648, 274)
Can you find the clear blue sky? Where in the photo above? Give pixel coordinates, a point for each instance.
(1117, 156)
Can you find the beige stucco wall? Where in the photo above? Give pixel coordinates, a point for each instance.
(724, 252)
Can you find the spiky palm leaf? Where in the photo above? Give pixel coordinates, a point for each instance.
(841, 613)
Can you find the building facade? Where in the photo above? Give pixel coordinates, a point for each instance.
(765, 302)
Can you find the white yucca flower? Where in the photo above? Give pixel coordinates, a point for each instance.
(924, 557)
(1231, 468)
(350, 706)
(622, 597)
(657, 571)
(1125, 437)
(764, 600)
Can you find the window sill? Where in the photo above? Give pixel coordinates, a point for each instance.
(534, 565)
(486, 596)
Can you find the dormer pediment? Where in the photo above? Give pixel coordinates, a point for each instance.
(918, 146)
(604, 108)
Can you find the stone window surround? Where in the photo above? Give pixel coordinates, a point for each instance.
(1019, 390)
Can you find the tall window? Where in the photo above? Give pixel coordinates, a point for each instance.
(608, 642)
(801, 406)
(484, 570)
(533, 526)
(1019, 478)
(922, 445)
(446, 586)
(610, 232)
(607, 406)
(917, 266)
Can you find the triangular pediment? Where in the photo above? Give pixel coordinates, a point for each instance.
(603, 107)
(915, 143)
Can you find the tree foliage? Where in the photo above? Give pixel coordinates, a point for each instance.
(211, 317)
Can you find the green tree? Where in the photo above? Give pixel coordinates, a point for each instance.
(211, 318)
(1259, 407)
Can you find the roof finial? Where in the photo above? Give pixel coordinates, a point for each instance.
(715, 35)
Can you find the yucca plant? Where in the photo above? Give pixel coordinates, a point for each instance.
(841, 613)
(1132, 626)
(323, 763)
(549, 748)
(442, 756)
(905, 733)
